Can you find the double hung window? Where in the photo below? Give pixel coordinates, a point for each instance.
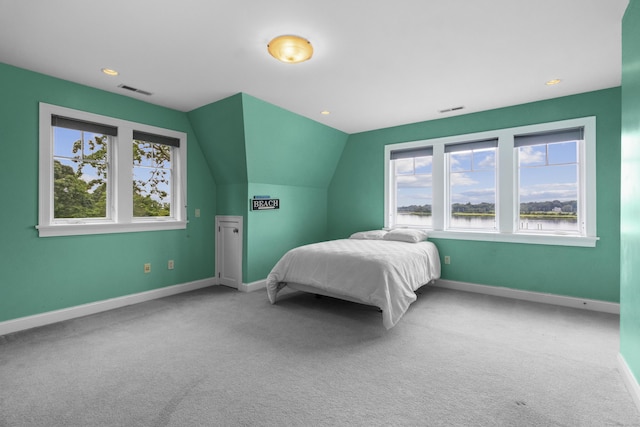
(529, 184)
(152, 174)
(81, 164)
(412, 190)
(104, 175)
(472, 184)
(549, 184)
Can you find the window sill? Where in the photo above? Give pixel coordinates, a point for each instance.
(532, 239)
(108, 228)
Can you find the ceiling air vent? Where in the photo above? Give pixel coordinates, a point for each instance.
(448, 110)
(133, 89)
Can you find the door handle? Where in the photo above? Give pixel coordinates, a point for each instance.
(235, 230)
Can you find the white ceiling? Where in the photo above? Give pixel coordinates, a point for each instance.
(377, 63)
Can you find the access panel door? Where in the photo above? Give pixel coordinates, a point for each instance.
(229, 250)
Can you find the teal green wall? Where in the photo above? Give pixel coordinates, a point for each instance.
(287, 149)
(255, 148)
(43, 274)
(356, 199)
(291, 158)
(630, 211)
(220, 130)
(301, 219)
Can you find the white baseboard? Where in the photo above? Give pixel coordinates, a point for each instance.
(28, 322)
(253, 286)
(629, 380)
(583, 303)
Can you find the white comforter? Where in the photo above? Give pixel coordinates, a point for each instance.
(381, 273)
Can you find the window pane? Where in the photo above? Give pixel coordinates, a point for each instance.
(80, 174)
(423, 165)
(413, 191)
(64, 142)
(460, 161)
(549, 192)
(563, 152)
(94, 146)
(533, 155)
(472, 191)
(484, 159)
(152, 179)
(143, 154)
(404, 166)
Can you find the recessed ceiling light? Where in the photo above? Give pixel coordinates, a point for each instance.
(325, 112)
(553, 82)
(110, 72)
(290, 49)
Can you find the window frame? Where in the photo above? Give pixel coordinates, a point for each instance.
(393, 193)
(470, 146)
(172, 171)
(120, 217)
(579, 161)
(507, 208)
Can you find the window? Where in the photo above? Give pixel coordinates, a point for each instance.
(530, 184)
(152, 174)
(80, 168)
(412, 189)
(104, 175)
(550, 198)
(472, 185)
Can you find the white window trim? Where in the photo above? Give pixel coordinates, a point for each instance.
(120, 219)
(506, 186)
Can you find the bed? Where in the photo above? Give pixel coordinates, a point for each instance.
(377, 268)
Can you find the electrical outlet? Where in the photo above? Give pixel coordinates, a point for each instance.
(447, 259)
(197, 213)
(147, 268)
(170, 264)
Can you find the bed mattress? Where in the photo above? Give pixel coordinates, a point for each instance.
(381, 273)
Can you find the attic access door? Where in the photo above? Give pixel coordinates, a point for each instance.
(229, 250)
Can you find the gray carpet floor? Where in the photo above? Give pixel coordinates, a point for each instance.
(218, 357)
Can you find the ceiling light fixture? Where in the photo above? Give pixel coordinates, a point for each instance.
(325, 112)
(110, 72)
(290, 49)
(553, 82)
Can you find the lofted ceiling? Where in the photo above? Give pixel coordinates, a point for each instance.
(376, 64)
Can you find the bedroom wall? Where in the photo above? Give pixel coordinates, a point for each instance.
(292, 158)
(630, 203)
(43, 274)
(220, 130)
(356, 200)
(256, 148)
(301, 219)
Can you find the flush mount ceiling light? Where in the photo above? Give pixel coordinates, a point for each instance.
(290, 49)
(553, 82)
(110, 72)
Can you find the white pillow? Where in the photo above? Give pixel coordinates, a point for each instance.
(409, 235)
(369, 235)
